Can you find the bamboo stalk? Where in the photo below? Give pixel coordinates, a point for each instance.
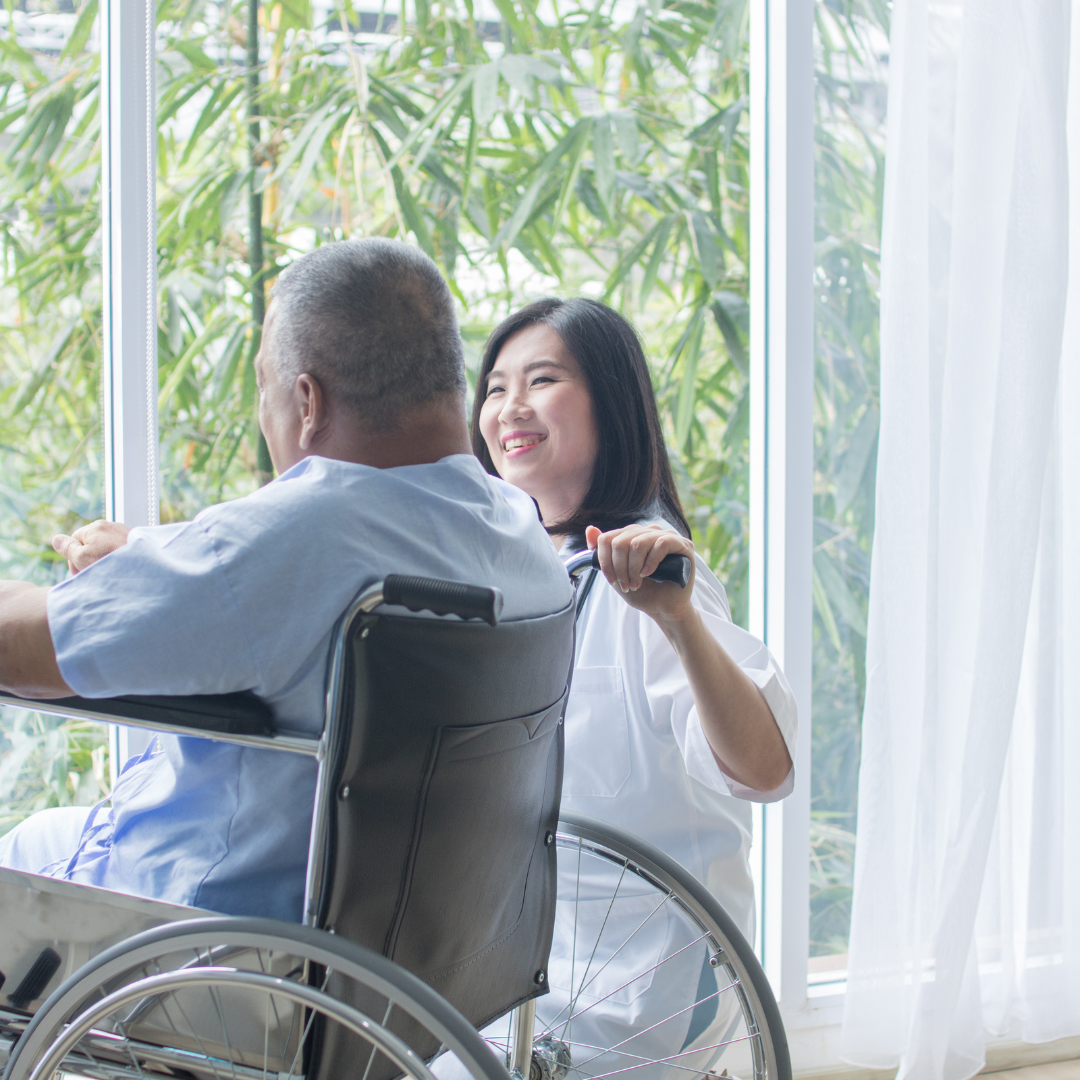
(263, 465)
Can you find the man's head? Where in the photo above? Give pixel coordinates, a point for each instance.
(361, 343)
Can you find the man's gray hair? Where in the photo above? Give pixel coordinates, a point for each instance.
(373, 320)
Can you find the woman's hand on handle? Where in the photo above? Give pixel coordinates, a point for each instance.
(736, 719)
(629, 555)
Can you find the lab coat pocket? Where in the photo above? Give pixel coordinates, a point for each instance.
(597, 734)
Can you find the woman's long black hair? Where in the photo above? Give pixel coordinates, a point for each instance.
(632, 479)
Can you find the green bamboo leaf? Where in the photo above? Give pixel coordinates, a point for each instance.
(626, 135)
(856, 458)
(174, 324)
(428, 122)
(45, 366)
(684, 412)
(80, 32)
(295, 14)
(722, 308)
(195, 55)
(624, 267)
(508, 233)
(485, 93)
(604, 160)
(835, 589)
(709, 256)
(220, 100)
(194, 349)
(518, 28)
(737, 429)
(298, 144)
(821, 604)
(577, 152)
(299, 181)
(662, 232)
(225, 368)
(414, 218)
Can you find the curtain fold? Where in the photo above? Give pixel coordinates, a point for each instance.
(966, 909)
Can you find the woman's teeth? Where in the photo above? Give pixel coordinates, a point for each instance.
(515, 444)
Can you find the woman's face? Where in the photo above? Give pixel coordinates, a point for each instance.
(537, 420)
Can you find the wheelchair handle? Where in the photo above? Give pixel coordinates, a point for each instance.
(443, 597)
(675, 568)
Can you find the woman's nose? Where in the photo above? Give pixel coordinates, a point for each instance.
(516, 407)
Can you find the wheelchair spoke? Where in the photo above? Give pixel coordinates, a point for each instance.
(371, 1056)
(669, 1062)
(216, 998)
(660, 1023)
(642, 974)
(307, 1031)
(212, 1061)
(596, 945)
(577, 908)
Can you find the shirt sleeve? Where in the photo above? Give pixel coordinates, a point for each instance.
(156, 616)
(671, 700)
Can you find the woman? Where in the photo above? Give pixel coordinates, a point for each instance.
(677, 718)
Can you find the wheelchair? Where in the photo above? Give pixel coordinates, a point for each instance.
(431, 897)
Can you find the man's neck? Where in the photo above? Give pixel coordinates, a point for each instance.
(427, 434)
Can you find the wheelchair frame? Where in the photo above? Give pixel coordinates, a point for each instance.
(525, 1060)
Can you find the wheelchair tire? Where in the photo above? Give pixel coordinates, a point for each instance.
(239, 998)
(658, 983)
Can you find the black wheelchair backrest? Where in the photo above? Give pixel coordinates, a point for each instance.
(444, 789)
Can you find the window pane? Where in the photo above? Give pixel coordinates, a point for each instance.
(851, 56)
(50, 355)
(606, 157)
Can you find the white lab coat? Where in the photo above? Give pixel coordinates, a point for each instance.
(636, 755)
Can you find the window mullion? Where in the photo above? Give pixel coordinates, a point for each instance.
(781, 446)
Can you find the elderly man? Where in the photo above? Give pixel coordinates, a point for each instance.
(361, 400)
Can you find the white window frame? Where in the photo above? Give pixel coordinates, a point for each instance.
(781, 450)
(129, 278)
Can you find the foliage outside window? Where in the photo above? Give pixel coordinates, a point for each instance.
(851, 39)
(588, 153)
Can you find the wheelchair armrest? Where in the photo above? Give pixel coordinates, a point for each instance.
(240, 714)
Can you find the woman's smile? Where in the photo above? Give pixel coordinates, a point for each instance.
(516, 443)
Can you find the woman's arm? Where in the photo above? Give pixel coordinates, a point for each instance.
(736, 719)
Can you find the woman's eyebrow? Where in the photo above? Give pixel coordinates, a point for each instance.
(544, 363)
(495, 373)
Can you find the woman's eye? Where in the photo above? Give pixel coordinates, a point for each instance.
(491, 390)
(542, 379)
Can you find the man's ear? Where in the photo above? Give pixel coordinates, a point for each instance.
(314, 409)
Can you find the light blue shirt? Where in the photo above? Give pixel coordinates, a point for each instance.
(245, 597)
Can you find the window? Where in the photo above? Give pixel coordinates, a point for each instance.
(601, 149)
(51, 465)
(851, 53)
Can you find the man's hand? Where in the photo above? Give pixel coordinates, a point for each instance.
(27, 658)
(90, 543)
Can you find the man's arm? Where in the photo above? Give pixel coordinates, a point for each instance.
(27, 658)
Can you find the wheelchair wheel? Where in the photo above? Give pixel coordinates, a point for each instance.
(649, 978)
(242, 998)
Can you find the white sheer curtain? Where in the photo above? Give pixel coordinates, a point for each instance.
(966, 919)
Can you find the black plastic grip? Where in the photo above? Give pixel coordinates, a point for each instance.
(443, 597)
(675, 568)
